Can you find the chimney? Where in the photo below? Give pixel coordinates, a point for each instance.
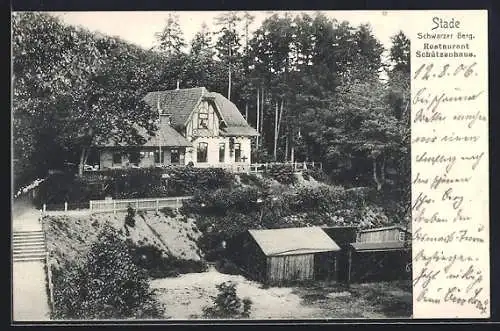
(177, 84)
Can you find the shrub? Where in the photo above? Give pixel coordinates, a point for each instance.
(227, 304)
(167, 211)
(318, 174)
(227, 267)
(60, 188)
(158, 265)
(189, 180)
(250, 179)
(105, 285)
(129, 219)
(282, 173)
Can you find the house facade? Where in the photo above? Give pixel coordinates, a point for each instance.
(195, 126)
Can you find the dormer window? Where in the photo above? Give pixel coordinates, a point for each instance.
(203, 120)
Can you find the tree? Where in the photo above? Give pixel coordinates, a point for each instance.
(399, 100)
(400, 52)
(170, 39)
(228, 44)
(86, 88)
(106, 285)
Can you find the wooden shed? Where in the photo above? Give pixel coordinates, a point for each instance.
(278, 256)
(383, 234)
(343, 237)
(380, 254)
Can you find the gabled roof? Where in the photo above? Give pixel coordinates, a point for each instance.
(292, 241)
(178, 103)
(181, 103)
(236, 125)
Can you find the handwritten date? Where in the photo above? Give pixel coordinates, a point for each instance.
(427, 71)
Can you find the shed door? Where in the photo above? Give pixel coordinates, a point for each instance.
(291, 267)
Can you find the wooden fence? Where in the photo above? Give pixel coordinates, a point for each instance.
(114, 206)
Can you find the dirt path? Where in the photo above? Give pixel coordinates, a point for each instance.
(186, 295)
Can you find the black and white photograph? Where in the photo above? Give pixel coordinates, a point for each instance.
(210, 165)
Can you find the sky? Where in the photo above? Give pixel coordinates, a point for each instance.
(139, 27)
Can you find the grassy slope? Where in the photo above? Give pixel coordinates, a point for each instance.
(69, 237)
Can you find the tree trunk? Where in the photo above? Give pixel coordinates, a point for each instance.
(275, 131)
(246, 111)
(229, 84)
(280, 116)
(262, 115)
(375, 176)
(286, 146)
(257, 124)
(83, 158)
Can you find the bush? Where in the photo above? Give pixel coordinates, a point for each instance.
(167, 211)
(316, 174)
(129, 219)
(189, 180)
(227, 304)
(107, 284)
(282, 173)
(61, 188)
(227, 267)
(158, 265)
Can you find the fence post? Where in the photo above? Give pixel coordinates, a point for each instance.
(90, 205)
(114, 207)
(65, 206)
(157, 205)
(137, 205)
(44, 208)
(177, 204)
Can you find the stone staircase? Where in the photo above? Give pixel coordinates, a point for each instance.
(28, 246)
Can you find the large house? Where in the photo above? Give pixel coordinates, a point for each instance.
(195, 125)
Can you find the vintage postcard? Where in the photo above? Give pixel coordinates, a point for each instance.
(250, 165)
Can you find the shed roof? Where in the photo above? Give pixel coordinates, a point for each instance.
(292, 241)
(378, 246)
(391, 227)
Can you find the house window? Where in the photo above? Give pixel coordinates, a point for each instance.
(401, 236)
(237, 152)
(157, 157)
(174, 156)
(202, 152)
(117, 158)
(203, 120)
(135, 158)
(222, 152)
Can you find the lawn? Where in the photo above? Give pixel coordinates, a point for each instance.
(366, 300)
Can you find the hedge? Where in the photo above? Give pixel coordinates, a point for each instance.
(132, 184)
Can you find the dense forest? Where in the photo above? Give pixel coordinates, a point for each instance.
(315, 88)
